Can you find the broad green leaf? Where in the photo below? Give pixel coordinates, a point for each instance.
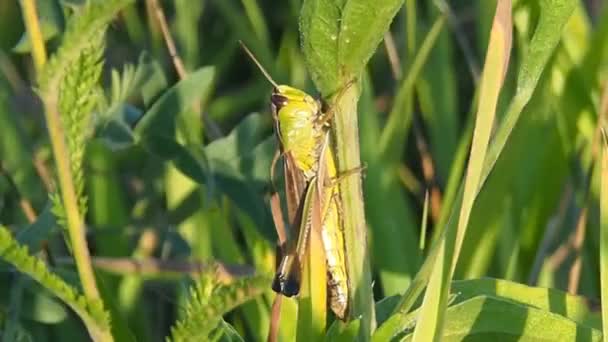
(340, 36)
(572, 307)
(239, 166)
(169, 149)
(160, 119)
(157, 130)
(485, 318)
(243, 139)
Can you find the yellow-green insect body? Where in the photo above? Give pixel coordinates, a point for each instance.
(304, 141)
(297, 127)
(309, 164)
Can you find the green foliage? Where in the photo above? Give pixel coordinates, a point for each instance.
(340, 331)
(240, 164)
(70, 80)
(83, 31)
(524, 311)
(162, 117)
(397, 126)
(172, 174)
(51, 24)
(604, 229)
(485, 318)
(33, 235)
(77, 98)
(575, 308)
(92, 313)
(397, 265)
(546, 30)
(117, 116)
(156, 131)
(210, 299)
(340, 36)
(431, 319)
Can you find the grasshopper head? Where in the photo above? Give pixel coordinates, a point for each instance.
(284, 95)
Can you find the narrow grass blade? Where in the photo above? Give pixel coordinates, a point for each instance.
(547, 33)
(425, 219)
(604, 235)
(312, 305)
(391, 140)
(430, 323)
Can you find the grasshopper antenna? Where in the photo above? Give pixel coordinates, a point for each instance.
(266, 74)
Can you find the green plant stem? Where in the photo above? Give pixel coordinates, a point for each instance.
(32, 25)
(604, 237)
(602, 123)
(346, 135)
(60, 151)
(75, 224)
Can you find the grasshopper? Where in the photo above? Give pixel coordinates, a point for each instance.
(302, 130)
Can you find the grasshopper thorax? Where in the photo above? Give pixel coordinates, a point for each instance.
(296, 116)
(297, 124)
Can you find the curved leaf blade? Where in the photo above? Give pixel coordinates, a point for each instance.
(160, 119)
(572, 307)
(340, 36)
(476, 319)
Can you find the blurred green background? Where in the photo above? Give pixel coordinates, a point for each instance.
(535, 221)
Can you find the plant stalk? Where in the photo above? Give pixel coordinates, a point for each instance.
(32, 25)
(75, 223)
(346, 136)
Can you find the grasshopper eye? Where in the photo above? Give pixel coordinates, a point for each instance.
(278, 100)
